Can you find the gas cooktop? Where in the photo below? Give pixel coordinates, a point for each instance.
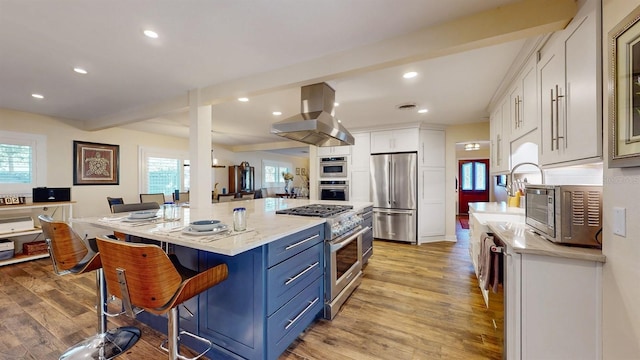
(316, 210)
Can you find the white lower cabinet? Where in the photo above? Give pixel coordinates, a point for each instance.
(553, 307)
(431, 204)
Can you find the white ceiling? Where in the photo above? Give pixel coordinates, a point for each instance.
(141, 83)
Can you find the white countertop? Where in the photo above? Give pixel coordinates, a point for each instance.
(523, 241)
(494, 208)
(263, 224)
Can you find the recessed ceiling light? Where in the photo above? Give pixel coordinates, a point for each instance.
(151, 34)
(336, 104)
(37, 96)
(80, 70)
(410, 74)
(243, 99)
(423, 111)
(277, 113)
(339, 120)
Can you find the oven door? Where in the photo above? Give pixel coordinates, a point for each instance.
(345, 256)
(333, 167)
(334, 192)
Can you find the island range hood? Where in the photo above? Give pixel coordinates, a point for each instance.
(315, 125)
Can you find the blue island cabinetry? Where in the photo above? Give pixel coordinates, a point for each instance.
(272, 294)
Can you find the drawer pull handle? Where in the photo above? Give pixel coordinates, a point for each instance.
(292, 279)
(291, 322)
(301, 242)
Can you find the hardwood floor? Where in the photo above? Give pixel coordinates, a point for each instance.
(415, 302)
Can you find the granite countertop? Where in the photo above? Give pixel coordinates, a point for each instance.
(494, 208)
(263, 224)
(524, 241)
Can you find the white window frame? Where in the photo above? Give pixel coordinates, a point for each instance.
(146, 152)
(279, 165)
(38, 143)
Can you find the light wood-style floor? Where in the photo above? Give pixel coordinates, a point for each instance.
(415, 302)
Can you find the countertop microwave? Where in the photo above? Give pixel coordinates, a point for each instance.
(565, 214)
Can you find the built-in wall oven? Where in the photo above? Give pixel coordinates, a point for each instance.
(333, 167)
(334, 190)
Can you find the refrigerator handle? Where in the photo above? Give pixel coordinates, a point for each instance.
(389, 183)
(393, 186)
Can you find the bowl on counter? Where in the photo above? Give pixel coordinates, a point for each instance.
(205, 225)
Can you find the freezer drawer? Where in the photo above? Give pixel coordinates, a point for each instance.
(399, 225)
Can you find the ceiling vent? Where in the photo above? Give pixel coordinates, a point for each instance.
(406, 106)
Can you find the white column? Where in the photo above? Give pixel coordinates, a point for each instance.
(199, 152)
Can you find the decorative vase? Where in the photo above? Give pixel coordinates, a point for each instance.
(286, 186)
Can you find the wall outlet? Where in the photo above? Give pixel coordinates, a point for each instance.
(620, 221)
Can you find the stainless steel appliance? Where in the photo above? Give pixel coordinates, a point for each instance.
(334, 190)
(343, 251)
(367, 237)
(565, 214)
(394, 196)
(315, 125)
(333, 167)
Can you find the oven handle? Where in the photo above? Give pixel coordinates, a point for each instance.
(292, 279)
(339, 245)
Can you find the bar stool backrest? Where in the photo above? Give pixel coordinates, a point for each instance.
(151, 278)
(66, 247)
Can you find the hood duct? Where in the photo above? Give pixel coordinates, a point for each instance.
(315, 125)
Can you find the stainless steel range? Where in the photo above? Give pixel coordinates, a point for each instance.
(343, 251)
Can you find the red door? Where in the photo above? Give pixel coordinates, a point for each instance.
(473, 183)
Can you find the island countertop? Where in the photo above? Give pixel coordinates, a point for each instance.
(517, 237)
(263, 224)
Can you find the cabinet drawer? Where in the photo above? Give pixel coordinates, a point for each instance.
(288, 246)
(288, 322)
(291, 276)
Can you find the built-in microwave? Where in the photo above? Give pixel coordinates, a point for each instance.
(565, 214)
(333, 167)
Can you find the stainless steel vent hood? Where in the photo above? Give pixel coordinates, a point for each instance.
(315, 125)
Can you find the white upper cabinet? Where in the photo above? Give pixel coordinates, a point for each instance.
(334, 150)
(432, 148)
(570, 91)
(523, 115)
(500, 126)
(361, 152)
(394, 141)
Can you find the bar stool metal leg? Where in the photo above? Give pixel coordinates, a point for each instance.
(106, 344)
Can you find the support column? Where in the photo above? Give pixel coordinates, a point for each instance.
(199, 151)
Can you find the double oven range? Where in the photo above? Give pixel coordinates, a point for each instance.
(344, 231)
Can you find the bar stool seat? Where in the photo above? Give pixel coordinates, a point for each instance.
(144, 276)
(70, 254)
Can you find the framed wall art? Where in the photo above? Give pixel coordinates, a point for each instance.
(624, 92)
(95, 164)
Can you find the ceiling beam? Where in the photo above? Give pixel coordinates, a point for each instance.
(511, 22)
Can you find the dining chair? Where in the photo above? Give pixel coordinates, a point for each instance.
(183, 197)
(156, 197)
(248, 196)
(226, 197)
(120, 208)
(114, 201)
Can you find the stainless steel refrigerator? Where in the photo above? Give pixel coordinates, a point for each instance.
(394, 194)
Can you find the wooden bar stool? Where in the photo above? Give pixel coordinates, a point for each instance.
(70, 254)
(144, 276)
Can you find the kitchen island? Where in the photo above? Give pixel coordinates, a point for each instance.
(275, 287)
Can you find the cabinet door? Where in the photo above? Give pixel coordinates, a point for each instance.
(334, 150)
(432, 148)
(583, 128)
(405, 140)
(360, 153)
(495, 128)
(514, 118)
(529, 101)
(381, 142)
(431, 207)
(551, 74)
(360, 185)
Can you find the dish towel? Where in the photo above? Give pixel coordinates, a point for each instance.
(489, 263)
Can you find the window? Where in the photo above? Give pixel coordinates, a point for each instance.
(272, 171)
(474, 176)
(164, 171)
(23, 160)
